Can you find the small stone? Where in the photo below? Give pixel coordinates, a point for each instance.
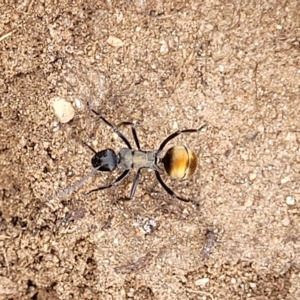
(115, 136)
(221, 68)
(164, 49)
(63, 109)
(286, 221)
(114, 41)
(175, 125)
(285, 180)
(253, 286)
(130, 294)
(290, 200)
(252, 176)
(78, 103)
(201, 281)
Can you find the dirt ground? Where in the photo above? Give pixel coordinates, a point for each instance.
(232, 65)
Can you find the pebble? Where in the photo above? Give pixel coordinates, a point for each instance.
(286, 221)
(63, 109)
(164, 49)
(284, 180)
(253, 286)
(78, 103)
(175, 125)
(252, 176)
(114, 41)
(201, 281)
(290, 200)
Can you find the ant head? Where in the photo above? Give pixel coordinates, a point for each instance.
(105, 160)
(180, 162)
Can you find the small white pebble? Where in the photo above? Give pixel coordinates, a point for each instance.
(115, 136)
(286, 221)
(203, 128)
(252, 285)
(164, 49)
(63, 109)
(130, 294)
(175, 125)
(285, 180)
(290, 200)
(78, 103)
(46, 145)
(252, 176)
(114, 41)
(201, 281)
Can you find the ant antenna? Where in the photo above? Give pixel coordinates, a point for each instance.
(76, 186)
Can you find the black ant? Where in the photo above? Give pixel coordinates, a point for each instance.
(179, 162)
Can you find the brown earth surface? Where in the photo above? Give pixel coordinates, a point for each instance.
(232, 65)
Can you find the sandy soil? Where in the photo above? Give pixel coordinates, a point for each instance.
(234, 65)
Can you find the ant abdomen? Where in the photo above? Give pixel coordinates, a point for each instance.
(180, 162)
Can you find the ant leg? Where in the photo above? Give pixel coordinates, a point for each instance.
(86, 144)
(135, 184)
(133, 130)
(175, 134)
(114, 183)
(133, 189)
(170, 192)
(120, 134)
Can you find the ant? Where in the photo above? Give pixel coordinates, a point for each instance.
(179, 162)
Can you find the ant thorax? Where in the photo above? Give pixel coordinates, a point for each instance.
(129, 159)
